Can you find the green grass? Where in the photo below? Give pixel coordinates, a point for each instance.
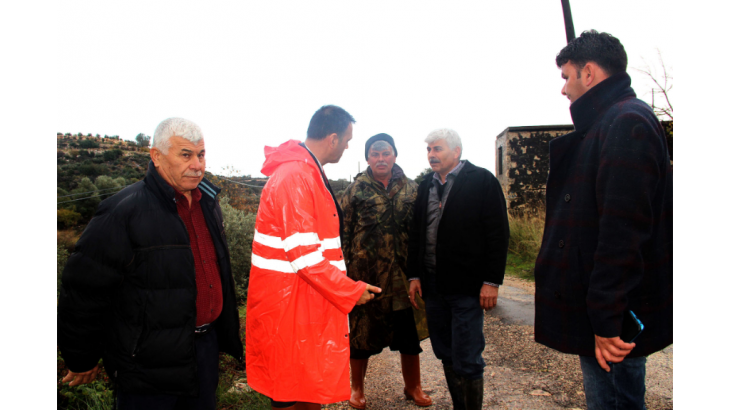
(229, 394)
(524, 244)
(520, 268)
(98, 395)
(231, 374)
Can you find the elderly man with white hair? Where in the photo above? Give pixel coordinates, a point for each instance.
(456, 259)
(149, 287)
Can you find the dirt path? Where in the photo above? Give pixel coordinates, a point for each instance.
(520, 373)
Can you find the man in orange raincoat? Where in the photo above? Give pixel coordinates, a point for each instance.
(297, 336)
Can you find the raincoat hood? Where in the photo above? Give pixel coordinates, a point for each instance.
(286, 152)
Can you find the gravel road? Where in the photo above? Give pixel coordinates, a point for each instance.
(520, 373)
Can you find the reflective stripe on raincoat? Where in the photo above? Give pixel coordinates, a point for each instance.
(297, 346)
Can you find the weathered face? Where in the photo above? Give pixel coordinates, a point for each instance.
(574, 87)
(441, 157)
(341, 145)
(184, 164)
(381, 159)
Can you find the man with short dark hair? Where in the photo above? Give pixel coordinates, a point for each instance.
(378, 208)
(299, 295)
(149, 287)
(606, 253)
(457, 252)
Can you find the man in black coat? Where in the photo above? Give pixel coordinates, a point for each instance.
(149, 287)
(607, 247)
(457, 252)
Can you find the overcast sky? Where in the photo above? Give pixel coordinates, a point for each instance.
(253, 73)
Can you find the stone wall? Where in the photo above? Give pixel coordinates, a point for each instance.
(522, 163)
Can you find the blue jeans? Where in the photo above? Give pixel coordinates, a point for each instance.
(455, 324)
(206, 353)
(622, 388)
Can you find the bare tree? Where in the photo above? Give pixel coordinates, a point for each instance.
(664, 81)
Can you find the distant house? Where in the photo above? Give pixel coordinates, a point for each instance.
(522, 165)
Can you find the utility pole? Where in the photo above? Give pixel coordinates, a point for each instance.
(568, 17)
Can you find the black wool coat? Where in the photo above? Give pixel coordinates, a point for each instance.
(472, 238)
(607, 245)
(128, 291)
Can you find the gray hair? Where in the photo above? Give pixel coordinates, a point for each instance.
(447, 134)
(175, 127)
(380, 146)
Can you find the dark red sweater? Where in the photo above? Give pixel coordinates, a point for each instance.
(209, 302)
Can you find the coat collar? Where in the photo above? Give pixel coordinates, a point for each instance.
(160, 187)
(467, 168)
(460, 177)
(591, 105)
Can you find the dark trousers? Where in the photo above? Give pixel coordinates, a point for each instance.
(405, 337)
(621, 388)
(206, 351)
(455, 324)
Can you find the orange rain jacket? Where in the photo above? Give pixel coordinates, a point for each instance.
(299, 295)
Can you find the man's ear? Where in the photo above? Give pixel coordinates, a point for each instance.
(457, 150)
(155, 155)
(332, 140)
(593, 74)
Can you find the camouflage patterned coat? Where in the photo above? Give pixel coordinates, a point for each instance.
(375, 246)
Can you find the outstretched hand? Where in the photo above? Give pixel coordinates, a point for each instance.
(81, 378)
(611, 349)
(367, 295)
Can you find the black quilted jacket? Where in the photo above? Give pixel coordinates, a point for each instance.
(128, 291)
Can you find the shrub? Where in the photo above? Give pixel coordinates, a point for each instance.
(104, 182)
(66, 218)
(67, 239)
(239, 227)
(92, 170)
(88, 144)
(61, 258)
(88, 191)
(112, 154)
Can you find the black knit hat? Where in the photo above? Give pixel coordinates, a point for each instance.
(380, 137)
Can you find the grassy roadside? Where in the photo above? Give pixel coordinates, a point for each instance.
(232, 393)
(524, 244)
(518, 267)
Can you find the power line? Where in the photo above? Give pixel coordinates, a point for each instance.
(88, 192)
(79, 199)
(120, 188)
(239, 183)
